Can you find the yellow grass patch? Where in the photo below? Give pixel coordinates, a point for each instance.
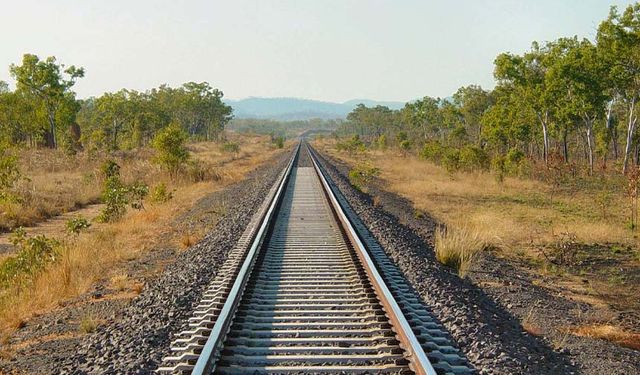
(101, 252)
(609, 333)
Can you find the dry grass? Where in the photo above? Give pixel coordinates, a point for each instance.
(103, 250)
(88, 324)
(514, 215)
(609, 333)
(456, 247)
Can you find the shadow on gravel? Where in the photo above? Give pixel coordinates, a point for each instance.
(491, 337)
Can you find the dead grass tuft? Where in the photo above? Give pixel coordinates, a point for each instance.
(609, 333)
(88, 324)
(456, 248)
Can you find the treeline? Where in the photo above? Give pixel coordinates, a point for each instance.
(569, 101)
(286, 129)
(43, 111)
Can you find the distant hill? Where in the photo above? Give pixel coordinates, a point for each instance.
(289, 109)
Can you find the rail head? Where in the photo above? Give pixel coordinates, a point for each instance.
(207, 359)
(418, 360)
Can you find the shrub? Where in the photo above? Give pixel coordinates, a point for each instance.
(451, 160)
(195, 171)
(9, 175)
(457, 248)
(498, 165)
(402, 136)
(352, 145)
(32, 256)
(361, 175)
(231, 147)
(473, 158)
(114, 196)
(278, 141)
(405, 145)
(381, 142)
(432, 151)
(160, 194)
(514, 162)
(77, 224)
(169, 143)
(136, 194)
(110, 169)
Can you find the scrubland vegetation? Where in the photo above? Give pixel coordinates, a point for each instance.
(543, 169)
(144, 157)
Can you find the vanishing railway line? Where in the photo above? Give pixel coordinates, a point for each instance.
(307, 290)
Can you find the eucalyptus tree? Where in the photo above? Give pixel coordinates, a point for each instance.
(472, 102)
(49, 84)
(527, 76)
(618, 41)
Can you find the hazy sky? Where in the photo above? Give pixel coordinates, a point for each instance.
(331, 50)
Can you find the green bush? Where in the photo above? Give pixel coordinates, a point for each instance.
(110, 169)
(352, 145)
(515, 162)
(114, 196)
(136, 194)
(32, 256)
(9, 175)
(473, 158)
(170, 145)
(231, 147)
(432, 151)
(498, 166)
(361, 175)
(451, 160)
(77, 224)
(402, 136)
(160, 194)
(405, 145)
(278, 141)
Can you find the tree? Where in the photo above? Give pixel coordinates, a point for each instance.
(169, 143)
(473, 102)
(618, 43)
(43, 82)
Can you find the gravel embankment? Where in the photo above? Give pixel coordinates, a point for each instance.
(137, 340)
(491, 337)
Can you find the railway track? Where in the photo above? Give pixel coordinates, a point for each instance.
(307, 290)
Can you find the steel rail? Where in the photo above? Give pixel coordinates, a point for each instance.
(418, 360)
(210, 351)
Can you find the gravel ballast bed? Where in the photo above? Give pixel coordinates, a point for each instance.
(492, 338)
(136, 341)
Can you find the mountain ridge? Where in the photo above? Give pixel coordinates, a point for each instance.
(289, 109)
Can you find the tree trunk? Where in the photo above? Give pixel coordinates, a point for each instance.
(545, 136)
(630, 130)
(50, 138)
(611, 129)
(565, 144)
(590, 147)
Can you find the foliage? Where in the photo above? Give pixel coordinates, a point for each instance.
(136, 194)
(77, 224)
(116, 195)
(231, 147)
(473, 158)
(160, 193)
(362, 174)
(169, 143)
(9, 175)
(278, 141)
(352, 145)
(456, 248)
(33, 254)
